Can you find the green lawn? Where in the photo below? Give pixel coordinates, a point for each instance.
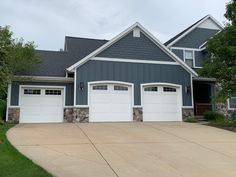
(13, 163)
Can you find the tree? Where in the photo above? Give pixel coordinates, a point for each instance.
(15, 56)
(221, 60)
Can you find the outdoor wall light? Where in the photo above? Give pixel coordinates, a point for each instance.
(81, 86)
(187, 89)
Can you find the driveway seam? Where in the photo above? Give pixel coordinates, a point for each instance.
(193, 142)
(98, 150)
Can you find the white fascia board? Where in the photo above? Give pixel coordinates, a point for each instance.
(44, 78)
(193, 27)
(147, 34)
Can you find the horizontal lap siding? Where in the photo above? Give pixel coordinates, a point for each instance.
(139, 48)
(15, 91)
(131, 72)
(196, 38)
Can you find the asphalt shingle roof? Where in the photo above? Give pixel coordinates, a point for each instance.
(54, 63)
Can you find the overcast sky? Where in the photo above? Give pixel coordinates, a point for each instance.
(47, 22)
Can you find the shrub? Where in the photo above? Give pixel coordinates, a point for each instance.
(3, 106)
(190, 119)
(210, 115)
(233, 115)
(224, 122)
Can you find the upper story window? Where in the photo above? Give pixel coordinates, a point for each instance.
(188, 57)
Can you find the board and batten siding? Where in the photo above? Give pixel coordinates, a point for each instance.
(136, 73)
(15, 86)
(139, 48)
(195, 38)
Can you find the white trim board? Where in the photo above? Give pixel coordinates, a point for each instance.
(229, 108)
(135, 61)
(45, 79)
(195, 26)
(121, 35)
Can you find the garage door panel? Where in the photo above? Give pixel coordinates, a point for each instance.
(161, 105)
(112, 105)
(41, 108)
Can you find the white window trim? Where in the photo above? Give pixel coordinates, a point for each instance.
(229, 108)
(184, 54)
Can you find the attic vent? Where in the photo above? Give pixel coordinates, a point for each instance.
(136, 32)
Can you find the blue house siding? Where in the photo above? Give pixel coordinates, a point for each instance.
(135, 73)
(15, 91)
(140, 48)
(179, 53)
(195, 38)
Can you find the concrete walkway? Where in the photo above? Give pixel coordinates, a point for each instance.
(128, 149)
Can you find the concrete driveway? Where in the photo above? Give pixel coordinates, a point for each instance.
(128, 149)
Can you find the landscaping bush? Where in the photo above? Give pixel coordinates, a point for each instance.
(190, 119)
(3, 107)
(210, 115)
(233, 115)
(224, 122)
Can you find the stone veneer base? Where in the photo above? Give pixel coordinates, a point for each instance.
(187, 112)
(13, 115)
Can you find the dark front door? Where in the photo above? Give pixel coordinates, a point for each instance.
(202, 94)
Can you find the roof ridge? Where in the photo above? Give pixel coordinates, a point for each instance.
(86, 38)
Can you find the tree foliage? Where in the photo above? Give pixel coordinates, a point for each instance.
(15, 56)
(221, 60)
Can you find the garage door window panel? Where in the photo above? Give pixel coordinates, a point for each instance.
(52, 92)
(32, 91)
(100, 87)
(169, 89)
(151, 89)
(120, 88)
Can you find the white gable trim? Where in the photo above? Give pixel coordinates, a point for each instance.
(195, 26)
(118, 37)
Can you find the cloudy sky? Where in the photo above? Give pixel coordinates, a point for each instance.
(47, 22)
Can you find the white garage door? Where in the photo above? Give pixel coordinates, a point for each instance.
(110, 103)
(161, 103)
(39, 105)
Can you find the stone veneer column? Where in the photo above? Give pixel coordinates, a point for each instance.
(187, 112)
(13, 115)
(138, 114)
(76, 114)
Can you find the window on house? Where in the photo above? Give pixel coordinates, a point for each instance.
(189, 57)
(150, 89)
(232, 103)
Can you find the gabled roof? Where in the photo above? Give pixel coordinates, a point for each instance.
(124, 33)
(179, 36)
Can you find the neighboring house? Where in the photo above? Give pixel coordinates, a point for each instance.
(132, 77)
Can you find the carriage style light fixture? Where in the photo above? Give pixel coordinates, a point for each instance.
(81, 86)
(187, 89)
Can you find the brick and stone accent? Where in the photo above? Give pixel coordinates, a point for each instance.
(223, 109)
(13, 115)
(187, 112)
(138, 114)
(76, 114)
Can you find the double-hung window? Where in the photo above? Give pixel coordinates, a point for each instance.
(189, 57)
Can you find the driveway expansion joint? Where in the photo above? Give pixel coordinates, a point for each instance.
(98, 151)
